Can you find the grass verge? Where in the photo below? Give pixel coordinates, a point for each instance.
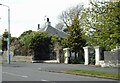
(1, 62)
(93, 73)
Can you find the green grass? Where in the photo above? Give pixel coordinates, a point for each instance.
(1, 62)
(93, 73)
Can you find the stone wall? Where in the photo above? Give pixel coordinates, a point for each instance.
(16, 58)
(112, 58)
(59, 53)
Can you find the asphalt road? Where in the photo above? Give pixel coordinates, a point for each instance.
(40, 72)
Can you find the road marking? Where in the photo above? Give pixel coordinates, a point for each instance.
(44, 80)
(24, 76)
(15, 74)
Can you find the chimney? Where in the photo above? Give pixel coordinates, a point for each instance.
(38, 26)
(47, 19)
(6, 30)
(48, 22)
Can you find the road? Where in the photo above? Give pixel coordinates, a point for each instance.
(40, 72)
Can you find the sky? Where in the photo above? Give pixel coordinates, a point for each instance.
(27, 14)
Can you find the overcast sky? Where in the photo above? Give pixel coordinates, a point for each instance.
(27, 14)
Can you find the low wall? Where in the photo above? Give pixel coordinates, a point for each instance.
(21, 59)
(112, 58)
(17, 58)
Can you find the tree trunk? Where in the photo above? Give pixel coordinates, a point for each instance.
(75, 57)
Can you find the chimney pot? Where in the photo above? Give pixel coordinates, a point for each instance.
(38, 26)
(47, 19)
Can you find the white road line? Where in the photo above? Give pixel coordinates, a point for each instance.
(44, 80)
(15, 74)
(24, 76)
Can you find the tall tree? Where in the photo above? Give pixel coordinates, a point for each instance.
(68, 15)
(36, 42)
(25, 38)
(102, 22)
(75, 40)
(0, 40)
(4, 41)
(40, 44)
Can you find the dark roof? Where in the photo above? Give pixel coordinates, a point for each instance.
(53, 31)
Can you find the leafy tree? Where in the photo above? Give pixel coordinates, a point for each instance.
(75, 40)
(13, 39)
(64, 42)
(37, 42)
(55, 39)
(41, 45)
(102, 24)
(0, 42)
(61, 41)
(25, 38)
(4, 41)
(24, 33)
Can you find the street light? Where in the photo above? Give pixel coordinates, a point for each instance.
(8, 42)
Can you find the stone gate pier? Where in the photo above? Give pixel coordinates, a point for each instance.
(66, 55)
(87, 51)
(86, 54)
